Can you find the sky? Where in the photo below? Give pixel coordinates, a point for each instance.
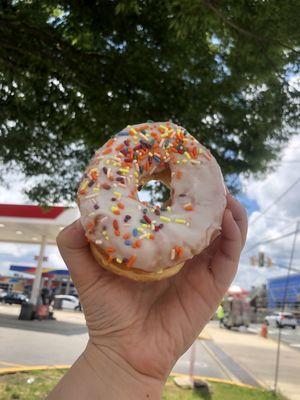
(280, 219)
(257, 195)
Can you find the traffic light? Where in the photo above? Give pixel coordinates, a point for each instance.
(269, 262)
(261, 259)
(253, 261)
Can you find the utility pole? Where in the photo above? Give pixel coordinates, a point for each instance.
(283, 304)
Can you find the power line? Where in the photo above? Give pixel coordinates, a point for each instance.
(273, 218)
(276, 201)
(287, 267)
(272, 240)
(282, 231)
(296, 268)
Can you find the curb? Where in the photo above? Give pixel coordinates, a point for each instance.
(7, 371)
(24, 368)
(217, 380)
(204, 336)
(9, 364)
(232, 377)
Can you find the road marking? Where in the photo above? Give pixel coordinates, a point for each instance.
(253, 330)
(199, 364)
(284, 333)
(295, 344)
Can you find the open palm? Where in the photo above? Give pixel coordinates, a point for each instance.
(151, 324)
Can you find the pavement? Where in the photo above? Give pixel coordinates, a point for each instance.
(257, 356)
(236, 356)
(63, 340)
(40, 342)
(289, 336)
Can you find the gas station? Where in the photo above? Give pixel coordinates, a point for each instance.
(31, 224)
(53, 278)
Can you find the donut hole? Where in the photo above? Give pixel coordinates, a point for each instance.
(155, 192)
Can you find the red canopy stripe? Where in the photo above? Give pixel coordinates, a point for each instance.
(29, 211)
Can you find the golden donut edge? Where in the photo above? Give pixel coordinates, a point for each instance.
(133, 273)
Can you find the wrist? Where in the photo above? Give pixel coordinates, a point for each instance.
(100, 373)
(117, 379)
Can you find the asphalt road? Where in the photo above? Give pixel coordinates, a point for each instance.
(60, 342)
(289, 336)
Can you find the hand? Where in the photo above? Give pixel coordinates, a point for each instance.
(146, 327)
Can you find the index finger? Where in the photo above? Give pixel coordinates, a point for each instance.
(77, 256)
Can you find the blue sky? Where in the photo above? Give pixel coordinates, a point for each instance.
(251, 205)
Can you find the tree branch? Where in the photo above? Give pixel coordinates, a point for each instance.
(245, 32)
(53, 40)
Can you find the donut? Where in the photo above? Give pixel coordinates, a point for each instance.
(137, 239)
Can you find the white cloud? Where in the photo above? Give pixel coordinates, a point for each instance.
(267, 190)
(13, 190)
(54, 258)
(280, 220)
(248, 276)
(4, 265)
(23, 254)
(18, 250)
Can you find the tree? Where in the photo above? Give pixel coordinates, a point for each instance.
(74, 72)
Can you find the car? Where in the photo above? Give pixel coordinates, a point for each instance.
(15, 298)
(281, 319)
(2, 295)
(67, 301)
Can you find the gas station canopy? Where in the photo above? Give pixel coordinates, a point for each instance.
(46, 271)
(32, 224)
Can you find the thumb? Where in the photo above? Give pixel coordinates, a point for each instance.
(75, 251)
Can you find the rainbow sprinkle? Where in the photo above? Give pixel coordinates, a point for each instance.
(125, 160)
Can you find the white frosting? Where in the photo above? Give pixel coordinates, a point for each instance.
(194, 174)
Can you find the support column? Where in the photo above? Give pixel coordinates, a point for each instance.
(68, 285)
(59, 288)
(38, 274)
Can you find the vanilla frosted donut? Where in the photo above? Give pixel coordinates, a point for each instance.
(133, 238)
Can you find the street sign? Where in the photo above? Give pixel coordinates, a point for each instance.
(44, 258)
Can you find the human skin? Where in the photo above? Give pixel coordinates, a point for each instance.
(137, 331)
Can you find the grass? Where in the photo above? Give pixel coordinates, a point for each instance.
(18, 386)
(219, 391)
(36, 385)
